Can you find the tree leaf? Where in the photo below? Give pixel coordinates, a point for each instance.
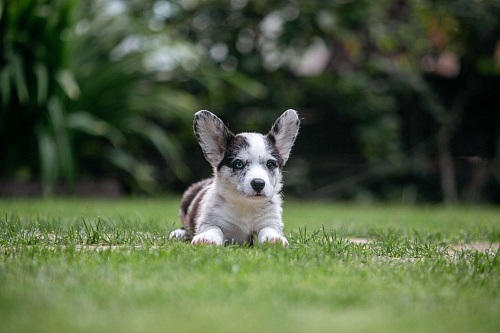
(47, 151)
(166, 145)
(5, 87)
(20, 79)
(88, 123)
(68, 83)
(66, 163)
(140, 172)
(252, 87)
(42, 80)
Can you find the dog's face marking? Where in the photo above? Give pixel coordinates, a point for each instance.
(248, 164)
(251, 167)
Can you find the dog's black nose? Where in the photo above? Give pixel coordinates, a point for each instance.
(258, 184)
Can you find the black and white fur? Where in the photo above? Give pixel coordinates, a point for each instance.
(242, 201)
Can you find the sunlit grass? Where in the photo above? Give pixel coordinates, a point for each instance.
(101, 265)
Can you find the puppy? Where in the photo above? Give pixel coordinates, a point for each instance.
(242, 201)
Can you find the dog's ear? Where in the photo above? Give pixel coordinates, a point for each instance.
(213, 136)
(284, 132)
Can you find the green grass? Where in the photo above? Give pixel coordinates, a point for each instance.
(59, 273)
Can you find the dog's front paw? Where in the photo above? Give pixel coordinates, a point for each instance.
(210, 237)
(271, 236)
(178, 234)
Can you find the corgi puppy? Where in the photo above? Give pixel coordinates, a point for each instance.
(241, 203)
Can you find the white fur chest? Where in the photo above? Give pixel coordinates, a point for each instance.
(239, 221)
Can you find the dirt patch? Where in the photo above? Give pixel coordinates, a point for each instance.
(358, 240)
(478, 246)
(89, 247)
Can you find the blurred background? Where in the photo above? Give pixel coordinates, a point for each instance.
(400, 99)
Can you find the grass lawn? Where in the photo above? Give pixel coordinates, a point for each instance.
(70, 265)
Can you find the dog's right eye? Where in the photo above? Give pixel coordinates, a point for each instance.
(238, 164)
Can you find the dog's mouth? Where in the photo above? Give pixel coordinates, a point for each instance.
(257, 195)
(253, 196)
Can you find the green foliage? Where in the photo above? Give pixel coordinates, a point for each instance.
(35, 85)
(66, 102)
(109, 87)
(363, 59)
(124, 108)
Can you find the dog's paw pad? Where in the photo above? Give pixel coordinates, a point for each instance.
(277, 240)
(203, 241)
(207, 238)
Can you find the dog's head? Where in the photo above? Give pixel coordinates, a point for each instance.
(247, 164)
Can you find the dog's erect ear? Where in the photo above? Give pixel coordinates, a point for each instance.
(284, 132)
(213, 136)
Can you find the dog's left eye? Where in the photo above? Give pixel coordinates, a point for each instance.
(271, 164)
(238, 164)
